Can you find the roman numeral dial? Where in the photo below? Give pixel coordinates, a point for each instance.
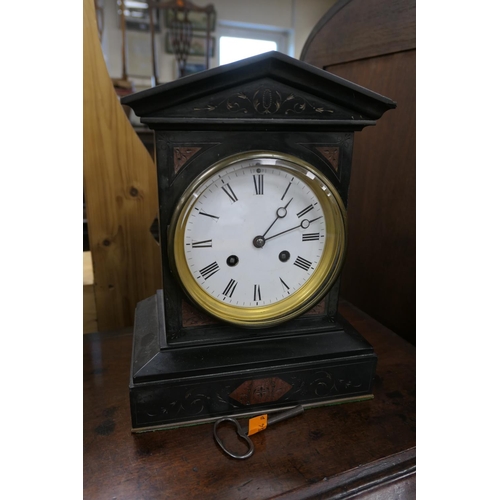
(256, 236)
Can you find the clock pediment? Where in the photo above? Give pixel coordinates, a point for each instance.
(268, 88)
(260, 99)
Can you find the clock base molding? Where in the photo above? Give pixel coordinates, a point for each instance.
(176, 386)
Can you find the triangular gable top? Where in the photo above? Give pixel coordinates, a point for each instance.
(270, 86)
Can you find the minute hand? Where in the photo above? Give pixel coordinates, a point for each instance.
(304, 225)
(280, 213)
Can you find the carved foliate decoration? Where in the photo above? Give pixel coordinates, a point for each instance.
(189, 401)
(265, 101)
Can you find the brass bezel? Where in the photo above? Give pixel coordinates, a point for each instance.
(315, 288)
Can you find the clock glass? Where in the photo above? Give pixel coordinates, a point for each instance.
(259, 238)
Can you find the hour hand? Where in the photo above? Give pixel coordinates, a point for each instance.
(280, 213)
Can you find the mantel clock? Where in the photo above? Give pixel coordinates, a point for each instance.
(253, 162)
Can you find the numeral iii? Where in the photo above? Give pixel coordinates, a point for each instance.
(310, 236)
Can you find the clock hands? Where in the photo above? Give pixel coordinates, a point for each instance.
(260, 241)
(304, 225)
(280, 213)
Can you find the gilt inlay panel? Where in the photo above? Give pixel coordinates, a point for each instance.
(331, 154)
(258, 391)
(194, 317)
(182, 155)
(319, 308)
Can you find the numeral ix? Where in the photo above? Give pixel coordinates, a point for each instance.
(202, 244)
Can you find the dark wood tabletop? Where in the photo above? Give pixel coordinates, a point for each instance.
(363, 450)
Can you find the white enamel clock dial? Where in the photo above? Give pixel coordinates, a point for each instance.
(252, 236)
(255, 235)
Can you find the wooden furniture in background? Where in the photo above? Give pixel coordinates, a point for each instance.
(363, 450)
(99, 14)
(89, 311)
(372, 43)
(120, 194)
(180, 31)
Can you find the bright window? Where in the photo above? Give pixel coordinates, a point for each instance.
(237, 41)
(233, 49)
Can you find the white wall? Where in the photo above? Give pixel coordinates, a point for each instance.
(297, 17)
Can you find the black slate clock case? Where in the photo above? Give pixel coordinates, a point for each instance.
(184, 372)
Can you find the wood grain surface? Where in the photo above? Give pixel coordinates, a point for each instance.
(120, 194)
(360, 29)
(372, 43)
(379, 272)
(355, 447)
(89, 310)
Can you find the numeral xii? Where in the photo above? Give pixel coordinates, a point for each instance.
(258, 182)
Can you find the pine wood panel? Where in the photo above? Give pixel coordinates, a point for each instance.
(88, 271)
(89, 310)
(120, 193)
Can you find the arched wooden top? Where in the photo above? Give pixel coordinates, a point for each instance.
(359, 29)
(372, 43)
